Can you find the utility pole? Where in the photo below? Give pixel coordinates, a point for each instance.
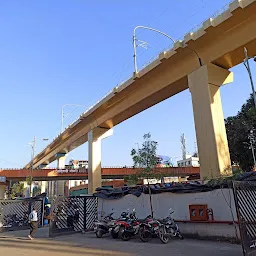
(252, 142)
(33, 144)
(247, 65)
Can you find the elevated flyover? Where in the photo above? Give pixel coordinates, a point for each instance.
(219, 42)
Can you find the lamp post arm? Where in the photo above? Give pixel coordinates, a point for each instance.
(134, 43)
(153, 29)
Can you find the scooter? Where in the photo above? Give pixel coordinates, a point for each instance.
(168, 228)
(104, 226)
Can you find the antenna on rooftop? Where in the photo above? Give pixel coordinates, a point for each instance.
(183, 146)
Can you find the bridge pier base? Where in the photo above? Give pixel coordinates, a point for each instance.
(59, 186)
(204, 85)
(44, 186)
(2, 190)
(94, 156)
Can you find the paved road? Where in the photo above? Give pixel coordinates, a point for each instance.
(16, 244)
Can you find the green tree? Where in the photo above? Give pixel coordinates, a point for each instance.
(36, 191)
(238, 130)
(145, 161)
(17, 189)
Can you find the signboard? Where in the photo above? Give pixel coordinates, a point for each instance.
(151, 181)
(59, 171)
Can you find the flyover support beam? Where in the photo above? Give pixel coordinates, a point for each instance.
(94, 156)
(204, 85)
(59, 186)
(44, 186)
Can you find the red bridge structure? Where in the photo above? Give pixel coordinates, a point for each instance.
(82, 174)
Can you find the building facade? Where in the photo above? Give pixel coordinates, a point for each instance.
(189, 161)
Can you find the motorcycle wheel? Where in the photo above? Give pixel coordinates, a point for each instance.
(114, 235)
(123, 235)
(163, 235)
(144, 234)
(99, 233)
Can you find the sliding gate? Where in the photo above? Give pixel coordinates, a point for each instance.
(73, 214)
(245, 199)
(14, 213)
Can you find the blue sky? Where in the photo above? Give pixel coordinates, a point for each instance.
(58, 52)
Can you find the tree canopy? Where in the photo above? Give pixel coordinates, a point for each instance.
(145, 159)
(239, 130)
(17, 189)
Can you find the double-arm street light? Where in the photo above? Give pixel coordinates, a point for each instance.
(63, 114)
(134, 39)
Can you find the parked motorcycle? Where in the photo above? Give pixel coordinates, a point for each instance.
(168, 228)
(149, 228)
(12, 220)
(123, 218)
(129, 227)
(104, 226)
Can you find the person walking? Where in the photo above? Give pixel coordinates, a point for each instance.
(33, 220)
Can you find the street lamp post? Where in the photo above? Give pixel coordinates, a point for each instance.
(247, 65)
(135, 46)
(33, 144)
(251, 145)
(252, 142)
(160, 32)
(62, 113)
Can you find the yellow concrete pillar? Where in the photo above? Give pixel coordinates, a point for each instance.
(49, 189)
(94, 152)
(2, 191)
(43, 186)
(59, 186)
(204, 85)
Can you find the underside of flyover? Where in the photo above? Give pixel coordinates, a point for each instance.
(219, 41)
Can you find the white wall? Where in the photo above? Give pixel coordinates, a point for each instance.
(210, 230)
(218, 200)
(215, 199)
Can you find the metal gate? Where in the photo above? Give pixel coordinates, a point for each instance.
(73, 214)
(14, 213)
(245, 199)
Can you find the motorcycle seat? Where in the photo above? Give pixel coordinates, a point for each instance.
(163, 221)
